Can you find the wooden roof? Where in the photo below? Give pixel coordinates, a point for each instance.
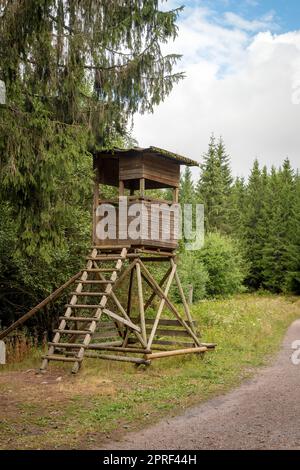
(155, 151)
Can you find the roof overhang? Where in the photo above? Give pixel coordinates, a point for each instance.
(155, 151)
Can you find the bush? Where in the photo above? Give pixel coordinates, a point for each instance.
(192, 272)
(292, 283)
(224, 263)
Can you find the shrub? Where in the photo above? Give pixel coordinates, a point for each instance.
(224, 263)
(192, 272)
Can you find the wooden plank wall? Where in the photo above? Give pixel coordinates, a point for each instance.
(161, 241)
(158, 169)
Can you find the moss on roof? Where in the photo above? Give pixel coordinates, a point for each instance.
(155, 151)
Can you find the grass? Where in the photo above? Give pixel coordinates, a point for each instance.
(107, 399)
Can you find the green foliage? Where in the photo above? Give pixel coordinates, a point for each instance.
(247, 329)
(254, 223)
(192, 273)
(268, 228)
(75, 72)
(292, 277)
(45, 173)
(90, 62)
(187, 190)
(214, 187)
(224, 264)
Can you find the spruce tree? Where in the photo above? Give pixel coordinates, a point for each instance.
(292, 277)
(75, 72)
(254, 224)
(214, 187)
(236, 207)
(276, 253)
(187, 190)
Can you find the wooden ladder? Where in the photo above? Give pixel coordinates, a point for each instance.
(74, 351)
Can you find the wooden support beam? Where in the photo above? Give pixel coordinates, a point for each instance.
(38, 307)
(96, 347)
(175, 195)
(185, 304)
(122, 310)
(153, 295)
(142, 187)
(129, 300)
(121, 188)
(200, 349)
(125, 273)
(150, 259)
(161, 307)
(141, 301)
(96, 197)
(122, 320)
(152, 282)
(134, 360)
(55, 357)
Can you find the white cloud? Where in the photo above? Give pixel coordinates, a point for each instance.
(239, 86)
(237, 21)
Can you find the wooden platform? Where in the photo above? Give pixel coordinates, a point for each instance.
(99, 324)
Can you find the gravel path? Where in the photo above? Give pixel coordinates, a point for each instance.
(263, 413)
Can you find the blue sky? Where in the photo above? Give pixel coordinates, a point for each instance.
(286, 12)
(242, 66)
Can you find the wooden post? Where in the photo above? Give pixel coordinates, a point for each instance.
(185, 304)
(95, 199)
(199, 349)
(141, 301)
(175, 195)
(129, 301)
(121, 309)
(190, 297)
(173, 309)
(142, 187)
(161, 283)
(128, 310)
(121, 188)
(161, 307)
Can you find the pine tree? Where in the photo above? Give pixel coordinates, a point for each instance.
(225, 168)
(214, 187)
(254, 224)
(292, 278)
(276, 254)
(187, 190)
(237, 206)
(75, 71)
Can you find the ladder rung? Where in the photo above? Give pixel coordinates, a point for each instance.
(54, 357)
(67, 345)
(82, 306)
(79, 319)
(73, 332)
(94, 282)
(88, 294)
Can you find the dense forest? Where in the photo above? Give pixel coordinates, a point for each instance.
(252, 227)
(75, 74)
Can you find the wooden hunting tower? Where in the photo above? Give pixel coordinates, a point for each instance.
(109, 315)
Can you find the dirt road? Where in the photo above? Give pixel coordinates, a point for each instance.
(263, 413)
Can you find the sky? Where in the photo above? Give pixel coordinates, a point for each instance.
(242, 66)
